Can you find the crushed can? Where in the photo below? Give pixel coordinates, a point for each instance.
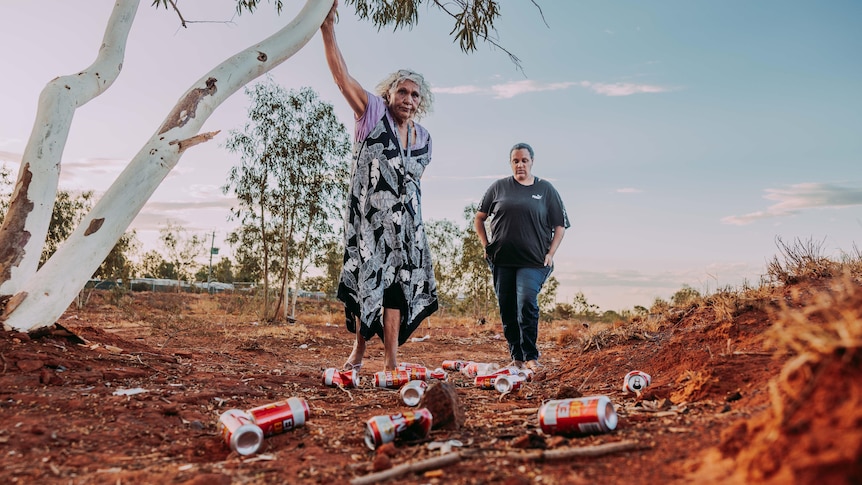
(578, 416)
(333, 377)
(240, 432)
(455, 365)
(438, 374)
(409, 425)
(508, 383)
(391, 379)
(411, 393)
(280, 416)
(474, 369)
(636, 381)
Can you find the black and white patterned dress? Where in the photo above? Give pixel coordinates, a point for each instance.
(384, 237)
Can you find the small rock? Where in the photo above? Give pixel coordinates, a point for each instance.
(567, 392)
(381, 462)
(441, 399)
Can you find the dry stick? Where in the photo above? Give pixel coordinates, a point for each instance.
(451, 458)
(587, 378)
(419, 466)
(597, 450)
(524, 411)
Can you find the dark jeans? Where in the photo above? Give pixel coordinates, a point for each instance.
(518, 295)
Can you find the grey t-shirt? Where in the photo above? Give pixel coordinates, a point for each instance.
(523, 218)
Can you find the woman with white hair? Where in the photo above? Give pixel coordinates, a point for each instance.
(387, 282)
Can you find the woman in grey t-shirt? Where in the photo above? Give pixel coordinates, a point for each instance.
(528, 221)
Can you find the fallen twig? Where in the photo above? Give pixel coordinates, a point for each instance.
(419, 466)
(524, 411)
(587, 378)
(596, 450)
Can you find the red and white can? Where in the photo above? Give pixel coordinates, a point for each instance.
(636, 381)
(507, 383)
(485, 382)
(454, 364)
(391, 379)
(508, 371)
(583, 415)
(473, 369)
(280, 416)
(418, 373)
(438, 374)
(411, 393)
(240, 432)
(333, 377)
(408, 365)
(409, 425)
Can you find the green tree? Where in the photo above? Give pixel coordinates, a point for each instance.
(69, 208)
(548, 298)
(119, 264)
(475, 281)
(331, 259)
(445, 241)
(181, 249)
(291, 181)
(154, 265)
(583, 308)
(684, 296)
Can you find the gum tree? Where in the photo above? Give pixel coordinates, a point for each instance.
(35, 299)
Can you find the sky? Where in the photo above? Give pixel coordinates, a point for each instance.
(685, 138)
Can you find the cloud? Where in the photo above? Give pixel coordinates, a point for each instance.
(10, 157)
(5, 142)
(623, 89)
(629, 190)
(801, 197)
(506, 90)
(516, 88)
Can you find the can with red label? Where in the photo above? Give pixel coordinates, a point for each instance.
(411, 393)
(280, 416)
(239, 431)
(474, 369)
(409, 425)
(636, 381)
(391, 379)
(507, 383)
(583, 415)
(333, 377)
(454, 364)
(485, 382)
(418, 373)
(438, 374)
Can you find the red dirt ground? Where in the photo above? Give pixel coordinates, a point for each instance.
(716, 411)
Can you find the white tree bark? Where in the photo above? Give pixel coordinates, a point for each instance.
(45, 296)
(26, 224)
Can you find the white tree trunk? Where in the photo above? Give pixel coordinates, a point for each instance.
(26, 225)
(45, 296)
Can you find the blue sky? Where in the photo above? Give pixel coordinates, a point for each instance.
(684, 137)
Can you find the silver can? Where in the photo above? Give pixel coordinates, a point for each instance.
(508, 383)
(636, 381)
(239, 431)
(411, 393)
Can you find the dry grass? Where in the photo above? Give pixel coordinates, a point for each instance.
(827, 328)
